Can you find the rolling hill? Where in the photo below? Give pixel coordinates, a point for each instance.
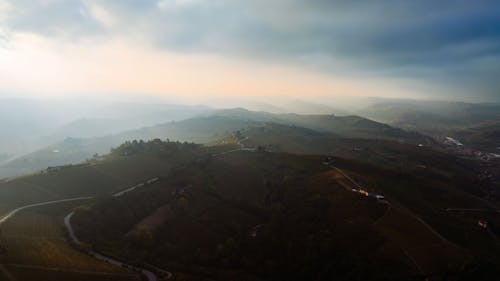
(485, 137)
(207, 128)
(435, 118)
(224, 213)
(29, 125)
(264, 215)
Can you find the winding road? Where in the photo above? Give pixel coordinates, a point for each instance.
(67, 222)
(149, 275)
(13, 212)
(242, 148)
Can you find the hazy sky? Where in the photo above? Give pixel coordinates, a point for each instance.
(221, 48)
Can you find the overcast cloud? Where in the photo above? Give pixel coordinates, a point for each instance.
(452, 47)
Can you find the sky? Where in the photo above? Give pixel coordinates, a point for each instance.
(199, 49)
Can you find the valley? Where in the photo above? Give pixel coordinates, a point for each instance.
(250, 140)
(258, 197)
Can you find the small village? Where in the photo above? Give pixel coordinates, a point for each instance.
(330, 161)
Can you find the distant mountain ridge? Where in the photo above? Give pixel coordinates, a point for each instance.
(432, 117)
(485, 136)
(28, 125)
(346, 126)
(208, 127)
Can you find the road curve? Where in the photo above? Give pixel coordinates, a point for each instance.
(13, 212)
(149, 275)
(132, 188)
(242, 148)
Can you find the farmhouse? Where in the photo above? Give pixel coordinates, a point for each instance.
(483, 223)
(364, 192)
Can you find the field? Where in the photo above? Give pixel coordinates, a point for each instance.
(205, 214)
(35, 248)
(256, 214)
(33, 243)
(101, 179)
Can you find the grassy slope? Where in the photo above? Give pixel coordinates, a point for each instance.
(423, 180)
(292, 197)
(226, 198)
(35, 248)
(35, 243)
(101, 179)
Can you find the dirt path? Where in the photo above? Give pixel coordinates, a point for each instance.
(432, 230)
(346, 176)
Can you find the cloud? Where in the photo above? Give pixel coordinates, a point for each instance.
(59, 19)
(100, 14)
(169, 4)
(4, 10)
(451, 44)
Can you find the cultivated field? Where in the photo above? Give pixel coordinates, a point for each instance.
(35, 248)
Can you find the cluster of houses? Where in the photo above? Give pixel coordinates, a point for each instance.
(483, 223)
(485, 156)
(329, 161)
(458, 147)
(368, 193)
